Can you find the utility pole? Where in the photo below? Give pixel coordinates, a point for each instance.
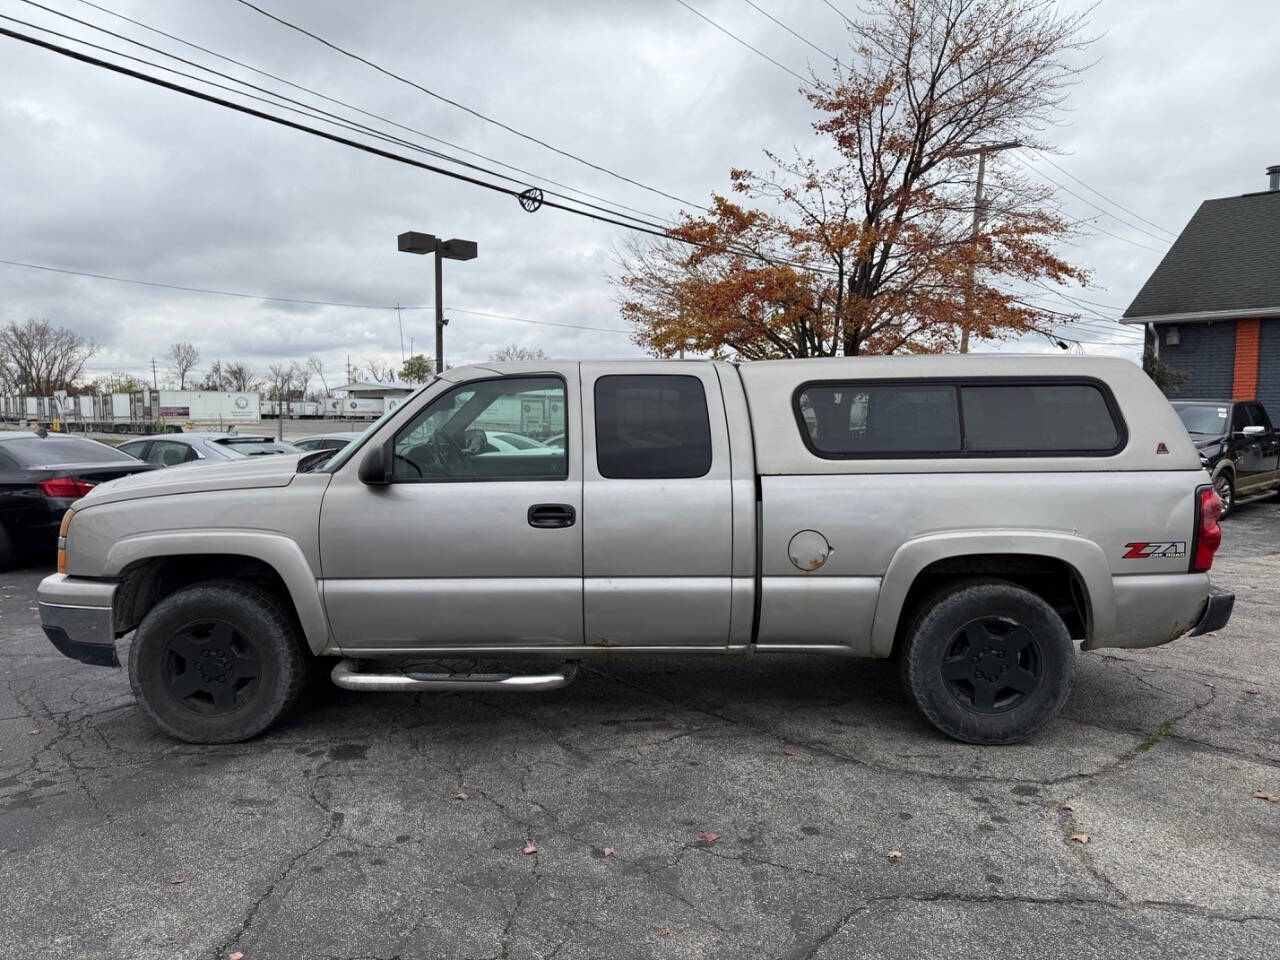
(400, 324)
(155, 384)
(979, 213)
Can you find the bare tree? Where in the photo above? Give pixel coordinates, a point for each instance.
(214, 379)
(517, 352)
(182, 358)
(39, 358)
(280, 378)
(117, 382)
(380, 372)
(316, 366)
(302, 379)
(240, 377)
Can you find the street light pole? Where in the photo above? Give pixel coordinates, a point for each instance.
(455, 249)
(439, 310)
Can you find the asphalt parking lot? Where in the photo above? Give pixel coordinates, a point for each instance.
(383, 826)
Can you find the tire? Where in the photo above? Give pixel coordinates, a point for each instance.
(987, 661)
(8, 555)
(1224, 485)
(217, 662)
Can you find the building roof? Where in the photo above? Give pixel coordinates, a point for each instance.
(1224, 264)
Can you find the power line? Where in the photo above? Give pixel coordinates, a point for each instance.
(1101, 210)
(802, 39)
(462, 106)
(1049, 160)
(839, 12)
(342, 103)
(308, 110)
(543, 323)
(376, 151)
(730, 34)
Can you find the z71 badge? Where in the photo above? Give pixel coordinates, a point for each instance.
(1150, 551)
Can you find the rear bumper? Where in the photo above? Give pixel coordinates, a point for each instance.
(77, 617)
(1217, 611)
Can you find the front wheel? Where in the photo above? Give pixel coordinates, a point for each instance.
(216, 662)
(988, 661)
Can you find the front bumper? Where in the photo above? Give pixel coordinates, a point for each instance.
(1217, 611)
(77, 617)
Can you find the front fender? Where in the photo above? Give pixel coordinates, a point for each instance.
(1085, 557)
(279, 552)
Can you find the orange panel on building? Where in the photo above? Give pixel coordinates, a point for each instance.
(1245, 379)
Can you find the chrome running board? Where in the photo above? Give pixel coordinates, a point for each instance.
(348, 675)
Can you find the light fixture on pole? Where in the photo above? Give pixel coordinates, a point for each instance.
(455, 249)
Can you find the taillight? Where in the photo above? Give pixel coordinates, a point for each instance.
(1208, 533)
(63, 529)
(64, 487)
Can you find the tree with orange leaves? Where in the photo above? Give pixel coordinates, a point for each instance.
(878, 253)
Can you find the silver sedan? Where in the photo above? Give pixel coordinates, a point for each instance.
(171, 449)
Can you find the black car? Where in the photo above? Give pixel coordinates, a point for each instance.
(1238, 446)
(41, 474)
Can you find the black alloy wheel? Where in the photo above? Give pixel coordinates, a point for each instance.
(211, 668)
(992, 665)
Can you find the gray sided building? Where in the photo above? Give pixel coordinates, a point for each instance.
(1211, 309)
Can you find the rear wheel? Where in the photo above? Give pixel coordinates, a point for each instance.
(987, 661)
(216, 662)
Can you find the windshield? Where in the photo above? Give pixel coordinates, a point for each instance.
(1203, 419)
(349, 451)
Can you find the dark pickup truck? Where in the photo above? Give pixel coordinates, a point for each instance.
(1238, 446)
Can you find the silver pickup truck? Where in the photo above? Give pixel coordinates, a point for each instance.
(973, 518)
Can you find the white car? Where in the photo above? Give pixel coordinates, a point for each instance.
(505, 443)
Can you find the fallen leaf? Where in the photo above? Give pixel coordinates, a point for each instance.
(530, 848)
(894, 855)
(1067, 806)
(788, 753)
(708, 836)
(177, 878)
(665, 931)
(608, 851)
(236, 956)
(1266, 795)
(34, 732)
(1251, 691)
(462, 795)
(1080, 838)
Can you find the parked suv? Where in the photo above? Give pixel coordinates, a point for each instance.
(977, 519)
(1238, 446)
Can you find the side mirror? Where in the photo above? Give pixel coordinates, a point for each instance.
(375, 468)
(1254, 431)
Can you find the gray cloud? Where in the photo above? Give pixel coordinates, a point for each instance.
(104, 174)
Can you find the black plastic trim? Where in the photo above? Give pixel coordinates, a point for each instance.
(1117, 418)
(1217, 611)
(97, 654)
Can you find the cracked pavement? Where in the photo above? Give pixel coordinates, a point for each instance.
(344, 832)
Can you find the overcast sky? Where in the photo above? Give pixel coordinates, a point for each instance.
(104, 174)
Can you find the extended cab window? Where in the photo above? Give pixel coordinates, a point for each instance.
(958, 419)
(487, 430)
(652, 427)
